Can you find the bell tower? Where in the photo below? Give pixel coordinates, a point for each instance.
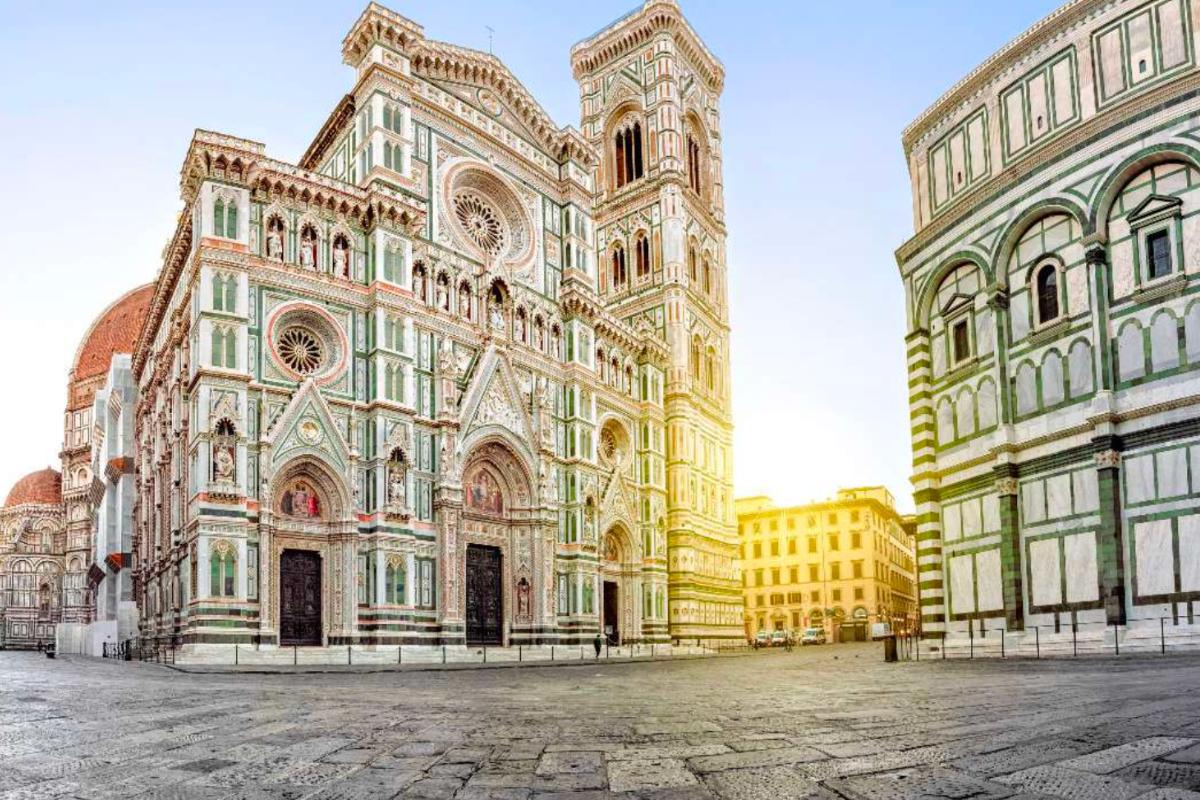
(649, 97)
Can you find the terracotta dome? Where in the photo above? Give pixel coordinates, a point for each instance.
(43, 487)
(114, 331)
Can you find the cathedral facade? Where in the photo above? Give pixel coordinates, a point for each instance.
(1053, 304)
(459, 375)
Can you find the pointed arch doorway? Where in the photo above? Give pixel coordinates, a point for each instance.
(618, 606)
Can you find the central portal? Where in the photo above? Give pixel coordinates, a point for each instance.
(485, 605)
(299, 598)
(612, 612)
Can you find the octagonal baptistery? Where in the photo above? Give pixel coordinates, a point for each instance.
(1053, 307)
(384, 399)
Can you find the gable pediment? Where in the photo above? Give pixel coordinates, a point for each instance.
(308, 427)
(1154, 205)
(494, 399)
(617, 503)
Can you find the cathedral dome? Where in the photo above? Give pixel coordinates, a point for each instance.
(43, 487)
(114, 331)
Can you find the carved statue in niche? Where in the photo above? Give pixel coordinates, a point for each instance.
(419, 285)
(464, 302)
(223, 463)
(308, 248)
(397, 491)
(520, 327)
(341, 257)
(539, 335)
(523, 604)
(275, 239)
(497, 316)
(443, 294)
(447, 366)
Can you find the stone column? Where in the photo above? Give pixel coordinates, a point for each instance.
(1012, 563)
(1110, 554)
(928, 543)
(267, 569)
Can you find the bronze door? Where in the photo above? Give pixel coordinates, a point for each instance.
(612, 613)
(299, 598)
(485, 606)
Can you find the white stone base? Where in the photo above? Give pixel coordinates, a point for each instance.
(391, 655)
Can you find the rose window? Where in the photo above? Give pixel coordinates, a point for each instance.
(301, 350)
(480, 221)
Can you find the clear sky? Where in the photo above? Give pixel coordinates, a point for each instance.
(99, 101)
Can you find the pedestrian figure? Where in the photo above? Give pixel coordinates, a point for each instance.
(596, 644)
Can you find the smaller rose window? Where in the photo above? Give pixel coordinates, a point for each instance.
(480, 221)
(301, 350)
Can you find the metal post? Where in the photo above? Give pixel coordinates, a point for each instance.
(399, 654)
(485, 654)
(1002, 654)
(1074, 638)
(607, 654)
(1162, 635)
(235, 654)
(944, 645)
(295, 654)
(551, 652)
(1116, 641)
(349, 656)
(972, 637)
(520, 654)
(443, 654)
(1037, 640)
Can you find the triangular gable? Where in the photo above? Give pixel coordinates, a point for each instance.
(1154, 204)
(493, 399)
(307, 427)
(491, 105)
(621, 88)
(617, 505)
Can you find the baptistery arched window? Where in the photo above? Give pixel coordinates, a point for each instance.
(1046, 281)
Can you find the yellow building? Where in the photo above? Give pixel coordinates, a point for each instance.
(839, 564)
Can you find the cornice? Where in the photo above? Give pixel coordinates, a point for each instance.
(635, 30)
(328, 133)
(978, 78)
(1081, 136)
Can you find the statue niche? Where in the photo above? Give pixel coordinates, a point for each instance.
(397, 484)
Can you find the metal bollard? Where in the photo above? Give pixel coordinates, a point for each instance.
(1116, 641)
(551, 652)
(295, 654)
(443, 654)
(1074, 638)
(520, 654)
(235, 654)
(485, 654)
(1162, 635)
(349, 656)
(1037, 640)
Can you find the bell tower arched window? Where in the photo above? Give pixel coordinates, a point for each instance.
(627, 154)
(617, 272)
(693, 165)
(642, 256)
(1047, 293)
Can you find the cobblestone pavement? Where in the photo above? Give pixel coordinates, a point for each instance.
(828, 722)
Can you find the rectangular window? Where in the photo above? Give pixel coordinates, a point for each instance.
(858, 593)
(833, 541)
(854, 516)
(856, 540)
(814, 573)
(812, 544)
(758, 549)
(856, 568)
(837, 595)
(814, 597)
(252, 572)
(775, 577)
(758, 577)
(775, 547)
(962, 341)
(791, 547)
(794, 574)
(1158, 255)
(835, 571)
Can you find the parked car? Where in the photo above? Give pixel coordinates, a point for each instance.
(813, 636)
(762, 639)
(779, 638)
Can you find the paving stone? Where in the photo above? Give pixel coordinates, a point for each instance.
(917, 785)
(1190, 755)
(638, 774)
(760, 783)
(1114, 758)
(1073, 785)
(433, 788)
(756, 758)
(1163, 773)
(1013, 759)
(568, 762)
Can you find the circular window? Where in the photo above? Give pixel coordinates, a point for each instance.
(306, 342)
(614, 443)
(487, 214)
(480, 221)
(301, 350)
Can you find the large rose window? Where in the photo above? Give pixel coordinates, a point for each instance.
(487, 214)
(480, 221)
(306, 342)
(301, 350)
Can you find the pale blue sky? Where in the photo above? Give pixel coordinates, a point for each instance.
(100, 100)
